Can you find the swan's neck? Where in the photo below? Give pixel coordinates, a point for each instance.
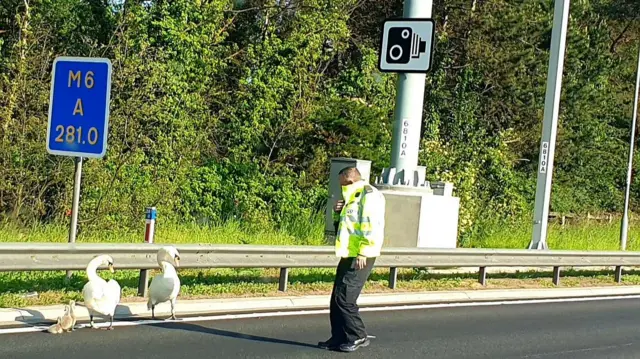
(162, 257)
(92, 269)
(168, 269)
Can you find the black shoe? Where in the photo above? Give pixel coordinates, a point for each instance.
(353, 346)
(330, 344)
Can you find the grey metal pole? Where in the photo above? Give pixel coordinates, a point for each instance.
(409, 106)
(624, 228)
(550, 124)
(76, 204)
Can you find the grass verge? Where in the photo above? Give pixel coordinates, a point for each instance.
(16, 289)
(584, 236)
(311, 232)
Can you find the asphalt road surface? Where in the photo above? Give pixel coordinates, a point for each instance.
(584, 330)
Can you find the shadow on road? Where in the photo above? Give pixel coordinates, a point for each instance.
(225, 333)
(30, 317)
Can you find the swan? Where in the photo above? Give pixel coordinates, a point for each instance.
(56, 328)
(101, 297)
(166, 286)
(68, 321)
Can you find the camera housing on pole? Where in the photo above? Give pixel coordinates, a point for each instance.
(407, 45)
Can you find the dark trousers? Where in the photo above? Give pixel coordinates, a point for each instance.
(346, 324)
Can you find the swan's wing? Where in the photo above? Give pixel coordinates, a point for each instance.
(93, 290)
(176, 287)
(112, 290)
(161, 288)
(156, 284)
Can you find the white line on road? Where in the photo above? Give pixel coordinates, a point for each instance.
(584, 350)
(131, 323)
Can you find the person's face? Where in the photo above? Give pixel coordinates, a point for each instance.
(343, 181)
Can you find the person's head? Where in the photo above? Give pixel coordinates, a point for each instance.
(349, 176)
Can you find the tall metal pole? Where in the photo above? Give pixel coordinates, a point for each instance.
(409, 106)
(76, 201)
(550, 124)
(624, 228)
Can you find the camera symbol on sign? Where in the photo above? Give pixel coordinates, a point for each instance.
(403, 45)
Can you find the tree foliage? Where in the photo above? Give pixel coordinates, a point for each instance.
(232, 109)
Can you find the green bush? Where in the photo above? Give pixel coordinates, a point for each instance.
(230, 110)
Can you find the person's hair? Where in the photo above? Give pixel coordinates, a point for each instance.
(351, 174)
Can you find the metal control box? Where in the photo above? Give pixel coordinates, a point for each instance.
(420, 217)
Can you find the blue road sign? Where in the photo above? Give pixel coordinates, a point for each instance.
(79, 107)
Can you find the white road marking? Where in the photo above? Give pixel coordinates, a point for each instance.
(32, 329)
(584, 350)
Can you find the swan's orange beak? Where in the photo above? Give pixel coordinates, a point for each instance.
(111, 268)
(177, 260)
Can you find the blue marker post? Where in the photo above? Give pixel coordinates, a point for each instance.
(79, 116)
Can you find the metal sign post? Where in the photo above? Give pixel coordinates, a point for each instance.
(73, 230)
(76, 200)
(79, 116)
(407, 48)
(624, 228)
(550, 124)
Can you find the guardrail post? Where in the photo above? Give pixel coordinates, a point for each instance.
(556, 275)
(143, 281)
(284, 279)
(618, 274)
(393, 277)
(482, 276)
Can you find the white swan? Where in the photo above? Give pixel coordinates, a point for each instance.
(166, 286)
(101, 297)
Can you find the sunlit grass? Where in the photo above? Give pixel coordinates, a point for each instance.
(310, 232)
(584, 236)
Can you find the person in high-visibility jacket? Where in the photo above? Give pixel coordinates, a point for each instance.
(359, 220)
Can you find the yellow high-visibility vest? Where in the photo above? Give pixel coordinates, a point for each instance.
(361, 221)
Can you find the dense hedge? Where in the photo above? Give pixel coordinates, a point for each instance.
(232, 109)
